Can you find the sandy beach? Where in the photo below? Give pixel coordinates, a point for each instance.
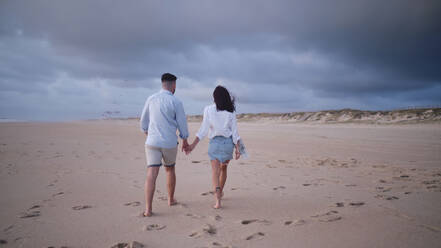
(80, 184)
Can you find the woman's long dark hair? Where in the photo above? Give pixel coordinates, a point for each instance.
(223, 99)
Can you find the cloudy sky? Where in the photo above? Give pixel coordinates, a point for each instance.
(65, 60)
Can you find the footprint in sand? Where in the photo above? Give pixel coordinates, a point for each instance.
(57, 194)
(382, 189)
(280, 187)
(52, 183)
(299, 222)
(431, 228)
(133, 244)
(339, 204)
(430, 182)
(34, 207)
(432, 187)
(356, 204)
(217, 218)
(132, 204)
(385, 197)
(383, 181)
(329, 216)
(257, 235)
(402, 178)
(30, 214)
(162, 198)
(216, 244)
(195, 216)
(247, 222)
(7, 229)
(153, 227)
(325, 214)
(207, 193)
(81, 207)
(194, 235)
(207, 229)
(351, 185)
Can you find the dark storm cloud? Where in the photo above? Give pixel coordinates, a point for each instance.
(285, 54)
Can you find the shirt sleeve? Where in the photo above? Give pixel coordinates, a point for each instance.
(235, 135)
(181, 119)
(203, 130)
(145, 118)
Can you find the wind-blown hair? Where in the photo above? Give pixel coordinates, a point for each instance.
(223, 100)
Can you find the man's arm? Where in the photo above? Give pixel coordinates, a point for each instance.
(181, 120)
(145, 118)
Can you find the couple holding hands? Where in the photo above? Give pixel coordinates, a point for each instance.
(163, 114)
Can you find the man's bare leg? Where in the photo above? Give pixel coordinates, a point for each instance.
(150, 185)
(223, 176)
(215, 166)
(171, 184)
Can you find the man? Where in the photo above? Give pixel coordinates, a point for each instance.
(163, 113)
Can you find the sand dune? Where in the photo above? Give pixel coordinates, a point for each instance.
(407, 116)
(80, 184)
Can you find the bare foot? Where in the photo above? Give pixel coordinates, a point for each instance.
(147, 214)
(218, 205)
(218, 200)
(172, 202)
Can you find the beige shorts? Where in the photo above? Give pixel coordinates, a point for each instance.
(155, 155)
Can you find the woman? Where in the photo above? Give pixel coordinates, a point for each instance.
(220, 123)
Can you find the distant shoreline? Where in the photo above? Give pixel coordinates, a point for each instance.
(403, 116)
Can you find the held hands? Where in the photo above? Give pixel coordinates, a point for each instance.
(190, 148)
(187, 148)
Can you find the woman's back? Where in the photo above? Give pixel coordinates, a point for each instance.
(218, 123)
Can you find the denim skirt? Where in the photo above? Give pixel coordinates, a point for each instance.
(221, 148)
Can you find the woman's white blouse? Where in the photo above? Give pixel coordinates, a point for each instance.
(218, 123)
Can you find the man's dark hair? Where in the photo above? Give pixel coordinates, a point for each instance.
(168, 77)
(223, 99)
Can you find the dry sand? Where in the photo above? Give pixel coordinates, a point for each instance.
(80, 184)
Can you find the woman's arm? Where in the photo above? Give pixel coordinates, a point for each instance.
(194, 144)
(234, 131)
(203, 131)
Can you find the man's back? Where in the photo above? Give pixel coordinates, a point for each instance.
(162, 115)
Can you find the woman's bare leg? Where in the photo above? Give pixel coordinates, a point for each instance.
(215, 166)
(223, 176)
